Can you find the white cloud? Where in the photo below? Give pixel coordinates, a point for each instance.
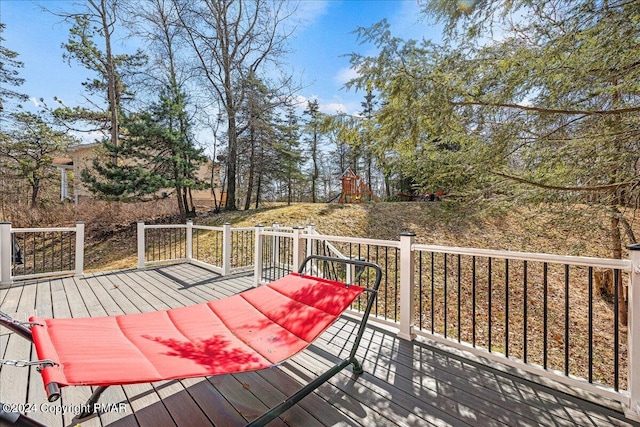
(410, 23)
(302, 100)
(89, 137)
(344, 75)
(308, 11)
(333, 108)
(35, 102)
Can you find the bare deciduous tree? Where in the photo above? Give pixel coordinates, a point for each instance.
(233, 39)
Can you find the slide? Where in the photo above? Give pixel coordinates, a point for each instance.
(334, 198)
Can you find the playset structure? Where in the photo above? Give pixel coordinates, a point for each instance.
(354, 189)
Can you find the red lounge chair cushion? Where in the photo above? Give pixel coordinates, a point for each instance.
(245, 332)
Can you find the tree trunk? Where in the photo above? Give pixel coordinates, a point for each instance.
(186, 197)
(112, 85)
(232, 159)
(316, 172)
(35, 189)
(258, 186)
(259, 182)
(369, 173)
(387, 185)
(181, 207)
(252, 167)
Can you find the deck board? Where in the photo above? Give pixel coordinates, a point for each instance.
(419, 383)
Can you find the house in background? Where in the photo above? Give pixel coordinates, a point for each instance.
(80, 157)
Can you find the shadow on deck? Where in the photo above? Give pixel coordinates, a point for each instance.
(417, 383)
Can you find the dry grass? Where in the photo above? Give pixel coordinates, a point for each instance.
(110, 227)
(111, 240)
(546, 228)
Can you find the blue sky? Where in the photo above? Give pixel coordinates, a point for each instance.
(322, 38)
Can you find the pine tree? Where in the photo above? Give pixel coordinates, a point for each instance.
(28, 148)
(155, 153)
(91, 45)
(289, 154)
(313, 129)
(9, 71)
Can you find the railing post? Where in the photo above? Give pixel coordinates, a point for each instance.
(226, 249)
(189, 240)
(141, 245)
(298, 248)
(5, 253)
(257, 253)
(634, 334)
(407, 286)
(79, 249)
(311, 229)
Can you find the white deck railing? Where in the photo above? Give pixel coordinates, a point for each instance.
(428, 290)
(403, 302)
(46, 252)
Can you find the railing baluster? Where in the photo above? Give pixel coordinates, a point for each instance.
(506, 307)
(459, 298)
(420, 288)
(545, 316)
(445, 293)
(473, 300)
(525, 316)
(616, 329)
(590, 320)
(61, 250)
(44, 250)
(33, 252)
(395, 287)
(433, 257)
(386, 295)
(566, 319)
(489, 285)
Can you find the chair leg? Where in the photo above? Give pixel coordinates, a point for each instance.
(89, 407)
(276, 411)
(357, 366)
(17, 419)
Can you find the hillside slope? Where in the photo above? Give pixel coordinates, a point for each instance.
(552, 229)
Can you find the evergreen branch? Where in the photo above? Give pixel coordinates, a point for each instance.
(548, 110)
(605, 187)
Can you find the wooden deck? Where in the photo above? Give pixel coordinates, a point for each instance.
(405, 383)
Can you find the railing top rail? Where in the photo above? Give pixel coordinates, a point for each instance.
(208, 227)
(165, 226)
(361, 240)
(42, 230)
(277, 233)
(620, 264)
(288, 230)
(243, 228)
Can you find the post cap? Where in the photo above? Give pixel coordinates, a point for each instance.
(408, 233)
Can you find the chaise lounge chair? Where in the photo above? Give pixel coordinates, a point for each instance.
(253, 330)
